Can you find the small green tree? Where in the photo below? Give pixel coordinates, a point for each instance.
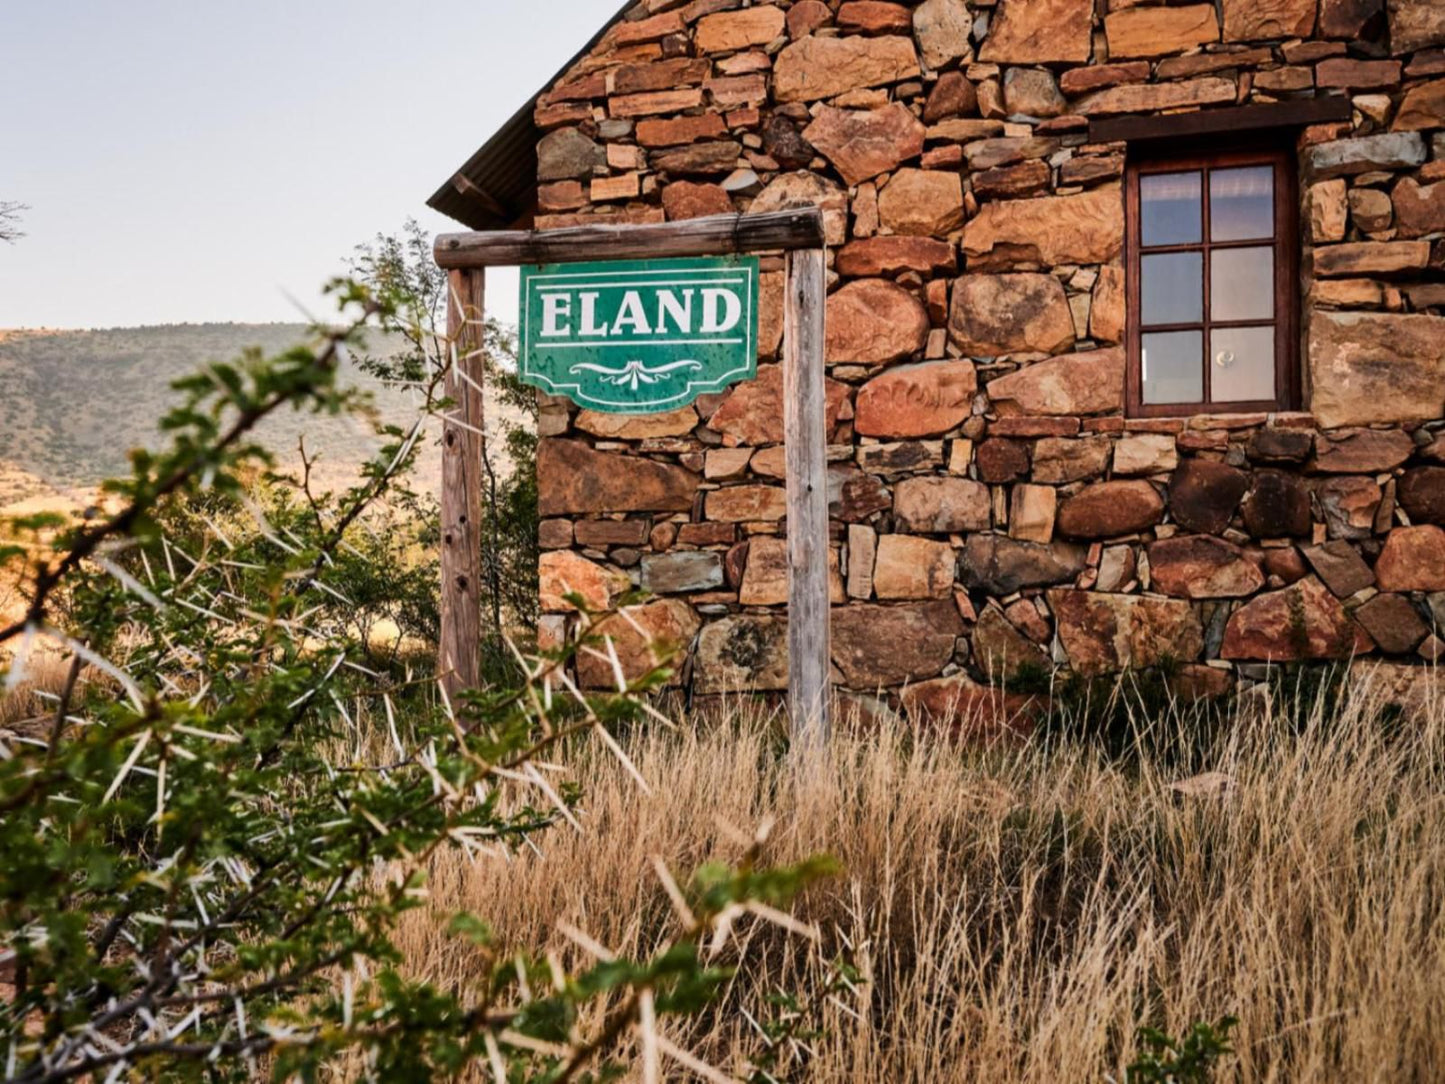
(400, 266)
(207, 839)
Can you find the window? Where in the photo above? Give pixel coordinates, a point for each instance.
(1212, 284)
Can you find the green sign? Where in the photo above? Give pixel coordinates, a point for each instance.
(640, 336)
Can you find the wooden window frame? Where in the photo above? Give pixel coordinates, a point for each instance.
(1286, 279)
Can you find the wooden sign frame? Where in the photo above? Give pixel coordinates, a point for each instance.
(799, 234)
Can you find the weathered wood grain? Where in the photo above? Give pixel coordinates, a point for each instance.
(806, 436)
(717, 235)
(461, 497)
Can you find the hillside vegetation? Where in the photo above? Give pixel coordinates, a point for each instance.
(74, 403)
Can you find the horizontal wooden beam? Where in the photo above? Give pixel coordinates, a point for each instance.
(1298, 113)
(718, 235)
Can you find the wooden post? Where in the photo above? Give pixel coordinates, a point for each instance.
(806, 434)
(461, 505)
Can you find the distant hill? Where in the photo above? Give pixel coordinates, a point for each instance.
(74, 403)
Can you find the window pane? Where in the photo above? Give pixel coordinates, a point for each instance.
(1243, 359)
(1241, 203)
(1173, 370)
(1171, 288)
(1169, 208)
(1241, 283)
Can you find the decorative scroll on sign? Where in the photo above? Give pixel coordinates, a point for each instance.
(640, 336)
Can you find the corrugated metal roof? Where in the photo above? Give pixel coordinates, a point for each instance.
(497, 185)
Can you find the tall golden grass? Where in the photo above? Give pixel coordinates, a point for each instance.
(1019, 913)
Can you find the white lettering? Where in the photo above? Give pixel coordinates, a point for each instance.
(631, 315)
(554, 307)
(591, 329)
(713, 322)
(680, 310)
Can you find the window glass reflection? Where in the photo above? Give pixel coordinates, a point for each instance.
(1241, 203)
(1173, 370)
(1170, 208)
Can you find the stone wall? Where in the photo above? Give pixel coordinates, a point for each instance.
(994, 511)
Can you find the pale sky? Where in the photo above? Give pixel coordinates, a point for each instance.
(199, 160)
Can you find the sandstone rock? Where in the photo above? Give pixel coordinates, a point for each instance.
(916, 400)
(567, 154)
(1032, 92)
(889, 255)
(854, 496)
(1107, 633)
(729, 31)
(772, 288)
(666, 625)
(678, 131)
(1032, 512)
(681, 571)
(1003, 314)
(573, 479)
(805, 16)
(765, 579)
(1110, 509)
(942, 29)
(1203, 495)
(744, 504)
(1023, 179)
(1060, 460)
(975, 710)
(1327, 210)
(1302, 621)
(861, 143)
(1087, 228)
(1091, 382)
(611, 532)
(874, 17)
(1415, 24)
(913, 568)
(1191, 684)
(789, 191)
(1000, 566)
(1255, 20)
(862, 555)
(724, 464)
(1376, 367)
(1280, 445)
(1145, 453)
(1371, 258)
(1078, 81)
(1394, 624)
(671, 423)
(1039, 32)
(1350, 503)
(753, 410)
(699, 159)
(742, 654)
(873, 322)
(686, 199)
(554, 534)
(562, 572)
(951, 96)
(940, 505)
(1362, 154)
(877, 646)
(1002, 651)
(784, 142)
(1152, 97)
(1370, 209)
(1341, 568)
(1413, 560)
(1117, 568)
(1286, 563)
(825, 67)
(1277, 506)
(1198, 566)
(922, 202)
(901, 457)
(1001, 460)
(1361, 451)
(1419, 209)
(1422, 494)
(1106, 315)
(1142, 31)
(988, 153)
(1350, 19)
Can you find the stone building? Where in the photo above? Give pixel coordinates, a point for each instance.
(1135, 333)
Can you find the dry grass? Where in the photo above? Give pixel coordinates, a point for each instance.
(1020, 913)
